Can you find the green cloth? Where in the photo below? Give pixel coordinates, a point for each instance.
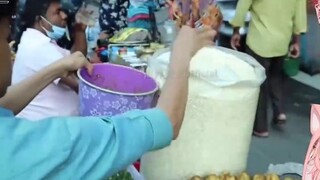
(273, 22)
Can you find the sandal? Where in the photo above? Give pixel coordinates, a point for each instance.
(281, 119)
(261, 134)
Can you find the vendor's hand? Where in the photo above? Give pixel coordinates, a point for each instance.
(294, 50)
(74, 62)
(79, 24)
(79, 27)
(104, 36)
(188, 42)
(235, 41)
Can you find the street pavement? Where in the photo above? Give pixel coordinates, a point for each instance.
(290, 142)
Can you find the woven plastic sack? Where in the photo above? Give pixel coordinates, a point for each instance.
(216, 134)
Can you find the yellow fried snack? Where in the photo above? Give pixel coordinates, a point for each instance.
(231, 178)
(244, 176)
(272, 177)
(213, 17)
(196, 178)
(211, 177)
(259, 177)
(225, 176)
(287, 178)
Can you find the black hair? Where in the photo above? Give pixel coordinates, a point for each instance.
(29, 14)
(7, 10)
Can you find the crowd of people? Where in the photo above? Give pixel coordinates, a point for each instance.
(40, 127)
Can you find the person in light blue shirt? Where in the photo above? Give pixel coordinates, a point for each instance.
(86, 147)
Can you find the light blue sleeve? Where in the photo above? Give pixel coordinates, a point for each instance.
(79, 148)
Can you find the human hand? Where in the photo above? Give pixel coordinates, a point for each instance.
(235, 41)
(104, 35)
(188, 42)
(294, 50)
(83, 19)
(79, 27)
(73, 62)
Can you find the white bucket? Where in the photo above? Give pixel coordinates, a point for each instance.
(216, 133)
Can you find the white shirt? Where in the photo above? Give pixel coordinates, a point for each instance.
(35, 52)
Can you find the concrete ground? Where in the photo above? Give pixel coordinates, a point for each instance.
(290, 142)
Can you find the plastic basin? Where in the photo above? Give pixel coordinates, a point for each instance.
(114, 89)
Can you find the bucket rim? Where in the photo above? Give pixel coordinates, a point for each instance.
(114, 92)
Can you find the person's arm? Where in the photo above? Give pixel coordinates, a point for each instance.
(5, 73)
(80, 147)
(71, 81)
(242, 9)
(55, 55)
(80, 39)
(173, 98)
(20, 95)
(299, 20)
(299, 26)
(174, 94)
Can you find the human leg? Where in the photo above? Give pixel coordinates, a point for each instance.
(261, 121)
(277, 80)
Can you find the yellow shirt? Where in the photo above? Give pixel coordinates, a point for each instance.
(273, 22)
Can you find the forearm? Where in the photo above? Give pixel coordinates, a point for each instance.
(20, 95)
(296, 38)
(72, 82)
(174, 95)
(236, 30)
(80, 42)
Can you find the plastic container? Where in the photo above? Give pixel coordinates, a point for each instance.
(216, 134)
(291, 66)
(168, 32)
(114, 89)
(88, 14)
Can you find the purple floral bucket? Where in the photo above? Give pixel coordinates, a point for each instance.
(114, 89)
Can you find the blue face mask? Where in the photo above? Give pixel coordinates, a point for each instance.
(56, 33)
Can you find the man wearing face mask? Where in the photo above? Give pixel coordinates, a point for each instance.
(43, 23)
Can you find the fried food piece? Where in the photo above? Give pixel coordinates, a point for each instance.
(225, 176)
(244, 176)
(259, 177)
(212, 17)
(231, 178)
(272, 177)
(211, 177)
(196, 178)
(287, 178)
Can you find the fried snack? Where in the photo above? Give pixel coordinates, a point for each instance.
(287, 178)
(211, 177)
(272, 177)
(225, 176)
(244, 176)
(231, 178)
(196, 178)
(259, 177)
(195, 10)
(212, 17)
